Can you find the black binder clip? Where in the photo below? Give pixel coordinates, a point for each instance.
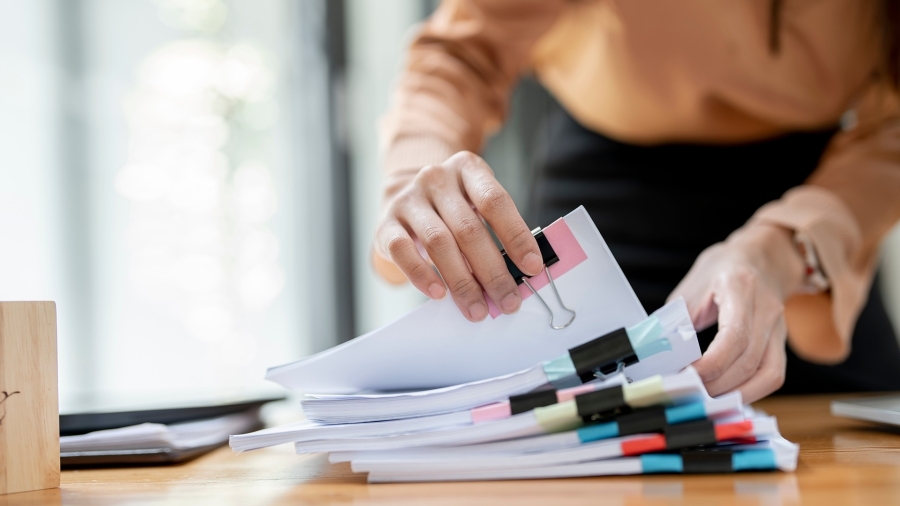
(707, 460)
(604, 356)
(549, 256)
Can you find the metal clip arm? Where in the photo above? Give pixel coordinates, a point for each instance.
(561, 303)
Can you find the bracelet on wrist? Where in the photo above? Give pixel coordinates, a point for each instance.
(814, 279)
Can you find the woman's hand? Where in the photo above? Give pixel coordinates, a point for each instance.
(743, 282)
(440, 208)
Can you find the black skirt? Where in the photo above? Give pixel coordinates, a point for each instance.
(658, 207)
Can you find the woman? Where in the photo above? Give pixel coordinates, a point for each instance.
(704, 139)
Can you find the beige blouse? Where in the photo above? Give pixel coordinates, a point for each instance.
(653, 71)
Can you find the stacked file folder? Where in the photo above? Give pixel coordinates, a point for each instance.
(580, 382)
(577, 414)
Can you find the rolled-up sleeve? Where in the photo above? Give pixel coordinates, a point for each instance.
(845, 209)
(455, 85)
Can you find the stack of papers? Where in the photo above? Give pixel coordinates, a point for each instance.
(658, 424)
(433, 397)
(774, 454)
(654, 335)
(610, 424)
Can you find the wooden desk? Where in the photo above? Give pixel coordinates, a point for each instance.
(841, 462)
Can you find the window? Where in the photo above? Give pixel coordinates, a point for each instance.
(195, 182)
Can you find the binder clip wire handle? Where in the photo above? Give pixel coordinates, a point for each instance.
(620, 366)
(549, 258)
(558, 298)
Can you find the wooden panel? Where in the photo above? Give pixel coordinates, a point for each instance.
(29, 405)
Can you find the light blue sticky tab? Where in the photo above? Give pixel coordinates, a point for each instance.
(648, 329)
(652, 348)
(597, 432)
(561, 372)
(746, 460)
(685, 413)
(662, 463)
(646, 338)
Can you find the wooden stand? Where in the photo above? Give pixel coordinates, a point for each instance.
(29, 403)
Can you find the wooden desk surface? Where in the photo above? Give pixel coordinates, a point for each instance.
(841, 462)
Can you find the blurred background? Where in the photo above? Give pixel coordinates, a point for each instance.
(196, 182)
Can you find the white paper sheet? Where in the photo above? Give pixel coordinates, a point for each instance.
(435, 346)
(178, 436)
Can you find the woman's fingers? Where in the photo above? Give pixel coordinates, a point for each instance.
(441, 208)
(696, 291)
(765, 320)
(735, 328)
(493, 202)
(475, 241)
(742, 282)
(770, 375)
(442, 249)
(748, 312)
(393, 240)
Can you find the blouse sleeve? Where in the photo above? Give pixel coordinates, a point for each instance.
(456, 82)
(845, 209)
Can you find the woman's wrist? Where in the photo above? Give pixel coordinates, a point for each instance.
(772, 250)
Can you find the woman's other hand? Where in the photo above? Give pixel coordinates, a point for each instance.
(743, 283)
(436, 214)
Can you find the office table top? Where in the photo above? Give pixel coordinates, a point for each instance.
(841, 462)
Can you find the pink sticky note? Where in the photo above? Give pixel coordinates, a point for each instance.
(570, 254)
(570, 393)
(496, 411)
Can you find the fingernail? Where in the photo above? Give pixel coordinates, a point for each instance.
(511, 302)
(437, 291)
(532, 263)
(478, 311)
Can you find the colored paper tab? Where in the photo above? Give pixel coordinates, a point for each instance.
(568, 250)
